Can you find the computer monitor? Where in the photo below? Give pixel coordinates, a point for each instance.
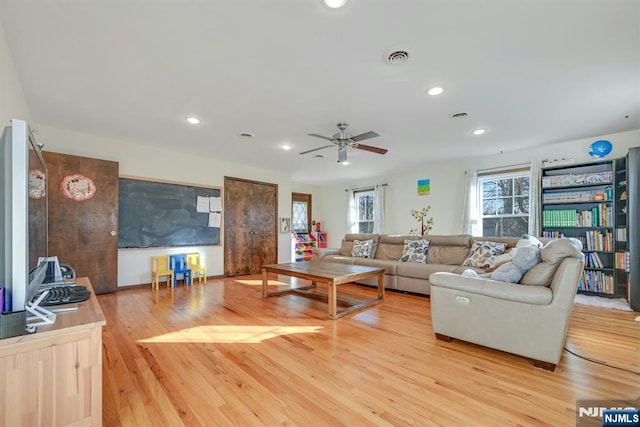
(23, 213)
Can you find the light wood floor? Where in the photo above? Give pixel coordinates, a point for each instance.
(220, 354)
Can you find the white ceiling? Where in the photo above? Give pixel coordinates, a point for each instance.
(533, 72)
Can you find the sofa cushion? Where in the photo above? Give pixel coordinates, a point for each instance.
(483, 253)
(339, 259)
(389, 266)
(347, 243)
(362, 248)
(418, 270)
(450, 250)
(415, 251)
(551, 254)
(390, 247)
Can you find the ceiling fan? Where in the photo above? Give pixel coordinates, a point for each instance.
(344, 140)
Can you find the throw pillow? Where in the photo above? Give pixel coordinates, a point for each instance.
(362, 248)
(415, 251)
(483, 253)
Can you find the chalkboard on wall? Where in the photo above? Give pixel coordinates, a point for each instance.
(157, 214)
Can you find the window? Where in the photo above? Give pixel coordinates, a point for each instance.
(300, 212)
(504, 203)
(364, 201)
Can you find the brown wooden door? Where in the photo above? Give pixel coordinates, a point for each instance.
(83, 233)
(250, 230)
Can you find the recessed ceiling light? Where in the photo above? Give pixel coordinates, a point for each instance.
(479, 131)
(334, 4)
(459, 115)
(193, 120)
(345, 163)
(435, 91)
(286, 147)
(246, 135)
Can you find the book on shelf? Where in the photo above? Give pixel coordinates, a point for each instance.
(623, 261)
(596, 281)
(592, 260)
(621, 234)
(598, 216)
(572, 179)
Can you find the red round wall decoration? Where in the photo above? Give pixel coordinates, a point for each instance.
(78, 187)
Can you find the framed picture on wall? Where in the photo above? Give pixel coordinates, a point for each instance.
(285, 225)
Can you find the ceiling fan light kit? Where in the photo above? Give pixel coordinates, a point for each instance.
(344, 140)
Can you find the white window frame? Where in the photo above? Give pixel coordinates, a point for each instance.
(498, 175)
(356, 196)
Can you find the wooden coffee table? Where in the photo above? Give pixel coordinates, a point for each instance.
(331, 274)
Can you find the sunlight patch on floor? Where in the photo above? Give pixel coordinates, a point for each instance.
(229, 334)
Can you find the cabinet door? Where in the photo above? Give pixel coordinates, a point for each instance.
(238, 228)
(83, 231)
(250, 233)
(265, 205)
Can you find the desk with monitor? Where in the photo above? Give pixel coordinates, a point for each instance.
(55, 374)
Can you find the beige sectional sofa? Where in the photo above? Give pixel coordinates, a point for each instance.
(445, 254)
(530, 319)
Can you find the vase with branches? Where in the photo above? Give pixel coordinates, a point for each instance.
(426, 224)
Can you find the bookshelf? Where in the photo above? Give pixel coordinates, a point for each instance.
(303, 243)
(622, 256)
(321, 238)
(633, 226)
(578, 201)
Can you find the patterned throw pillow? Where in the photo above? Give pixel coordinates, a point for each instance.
(483, 254)
(362, 248)
(415, 251)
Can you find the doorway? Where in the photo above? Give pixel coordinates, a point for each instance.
(301, 212)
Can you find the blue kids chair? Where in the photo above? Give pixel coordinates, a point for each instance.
(179, 266)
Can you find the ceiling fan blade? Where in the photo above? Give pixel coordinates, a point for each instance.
(363, 136)
(371, 148)
(320, 136)
(316, 149)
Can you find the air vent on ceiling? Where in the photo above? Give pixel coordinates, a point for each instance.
(397, 57)
(459, 115)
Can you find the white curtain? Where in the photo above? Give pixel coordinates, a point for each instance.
(352, 221)
(470, 204)
(534, 199)
(378, 210)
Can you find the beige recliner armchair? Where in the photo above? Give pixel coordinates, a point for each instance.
(528, 319)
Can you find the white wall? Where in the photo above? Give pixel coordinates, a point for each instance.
(13, 104)
(143, 161)
(447, 185)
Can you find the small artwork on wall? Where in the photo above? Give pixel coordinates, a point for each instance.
(424, 187)
(285, 225)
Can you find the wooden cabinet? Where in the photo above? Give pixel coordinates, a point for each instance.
(250, 231)
(54, 376)
(578, 201)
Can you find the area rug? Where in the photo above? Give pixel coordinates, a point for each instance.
(617, 304)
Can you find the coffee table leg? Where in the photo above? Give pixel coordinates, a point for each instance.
(381, 287)
(265, 283)
(332, 299)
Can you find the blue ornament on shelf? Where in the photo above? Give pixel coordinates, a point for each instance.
(600, 148)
